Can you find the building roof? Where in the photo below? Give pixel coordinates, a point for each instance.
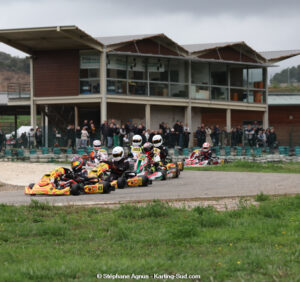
(276, 56)
(206, 46)
(29, 40)
(281, 99)
(111, 40)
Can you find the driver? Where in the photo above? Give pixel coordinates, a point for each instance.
(118, 165)
(97, 155)
(205, 153)
(135, 148)
(148, 150)
(161, 150)
(77, 166)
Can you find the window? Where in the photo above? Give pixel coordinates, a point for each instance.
(219, 93)
(257, 96)
(116, 67)
(89, 80)
(137, 88)
(218, 74)
(178, 71)
(199, 92)
(137, 68)
(238, 76)
(179, 91)
(158, 70)
(116, 87)
(159, 89)
(240, 95)
(200, 73)
(256, 78)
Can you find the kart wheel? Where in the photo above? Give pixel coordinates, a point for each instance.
(75, 190)
(145, 181)
(121, 182)
(164, 175)
(106, 187)
(177, 172)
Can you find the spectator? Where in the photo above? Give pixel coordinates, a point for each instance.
(224, 140)
(126, 141)
(116, 135)
(1, 139)
(239, 136)
(84, 137)
(24, 140)
(104, 132)
(93, 133)
(110, 135)
(234, 137)
(78, 137)
(272, 138)
(208, 135)
(249, 132)
(186, 137)
(70, 136)
(122, 134)
(31, 138)
(216, 135)
(38, 138)
(86, 125)
(173, 138)
(261, 139)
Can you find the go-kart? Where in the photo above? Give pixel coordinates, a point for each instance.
(93, 159)
(62, 181)
(128, 179)
(194, 162)
(145, 166)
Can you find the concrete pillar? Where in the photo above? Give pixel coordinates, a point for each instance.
(148, 116)
(103, 109)
(188, 121)
(266, 113)
(32, 104)
(46, 127)
(76, 121)
(228, 119)
(16, 126)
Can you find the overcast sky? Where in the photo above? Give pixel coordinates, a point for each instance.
(263, 24)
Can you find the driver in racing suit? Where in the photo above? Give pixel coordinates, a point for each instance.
(118, 165)
(205, 154)
(159, 148)
(135, 148)
(153, 159)
(97, 156)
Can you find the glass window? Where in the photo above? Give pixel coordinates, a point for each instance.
(255, 78)
(238, 76)
(180, 91)
(199, 92)
(116, 67)
(240, 95)
(89, 86)
(256, 96)
(89, 73)
(178, 71)
(218, 74)
(159, 89)
(137, 68)
(219, 93)
(158, 70)
(116, 87)
(137, 88)
(200, 73)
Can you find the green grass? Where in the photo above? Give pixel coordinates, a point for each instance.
(244, 166)
(40, 242)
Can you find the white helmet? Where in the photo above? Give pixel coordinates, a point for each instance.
(117, 153)
(137, 140)
(97, 145)
(157, 140)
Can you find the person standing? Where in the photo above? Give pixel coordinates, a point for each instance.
(78, 137)
(208, 135)
(249, 132)
(1, 139)
(84, 137)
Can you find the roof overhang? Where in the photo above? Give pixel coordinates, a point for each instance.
(277, 56)
(29, 40)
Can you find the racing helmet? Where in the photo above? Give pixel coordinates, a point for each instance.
(137, 140)
(76, 163)
(157, 140)
(148, 148)
(97, 145)
(205, 147)
(117, 153)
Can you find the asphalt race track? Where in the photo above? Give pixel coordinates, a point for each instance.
(190, 185)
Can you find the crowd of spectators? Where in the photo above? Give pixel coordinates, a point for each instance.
(113, 134)
(253, 135)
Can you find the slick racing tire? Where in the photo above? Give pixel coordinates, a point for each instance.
(145, 181)
(121, 182)
(164, 175)
(106, 187)
(75, 190)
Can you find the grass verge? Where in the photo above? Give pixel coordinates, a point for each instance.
(40, 242)
(244, 166)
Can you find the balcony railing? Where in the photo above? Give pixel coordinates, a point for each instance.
(18, 91)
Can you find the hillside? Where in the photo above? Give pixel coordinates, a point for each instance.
(13, 70)
(288, 75)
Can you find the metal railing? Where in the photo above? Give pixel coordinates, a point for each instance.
(18, 91)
